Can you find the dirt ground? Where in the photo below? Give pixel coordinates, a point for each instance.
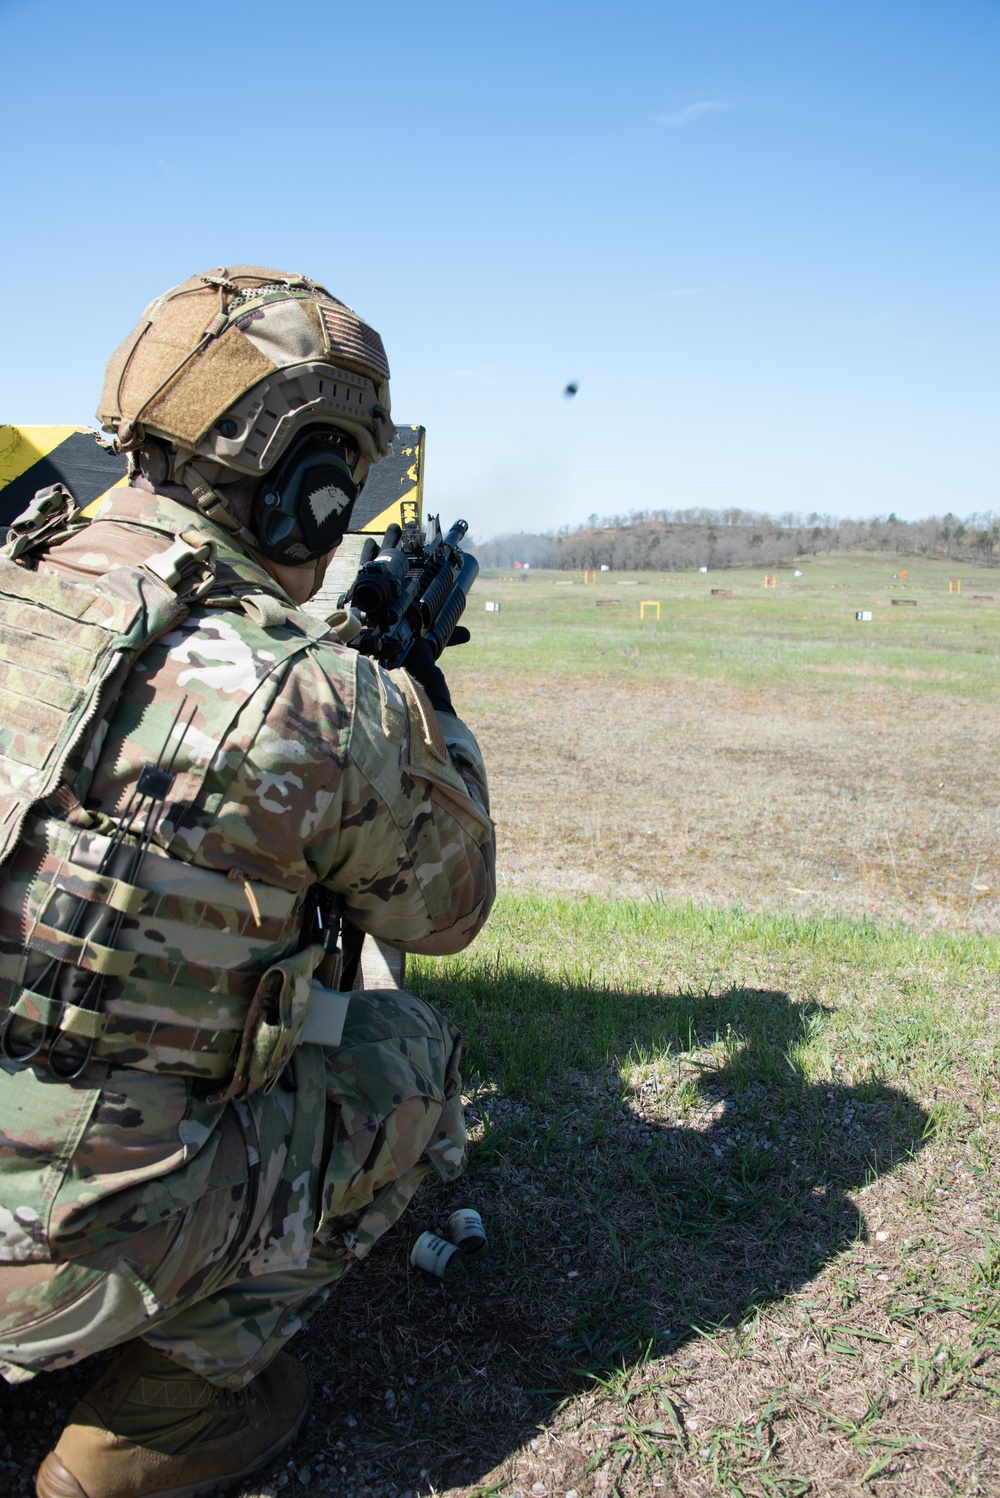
(424, 1390)
(798, 800)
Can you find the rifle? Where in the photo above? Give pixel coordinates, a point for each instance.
(413, 586)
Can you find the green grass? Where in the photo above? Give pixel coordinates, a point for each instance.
(737, 1161)
(557, 984)
(755, 639)
(739, 1171)
(736, 1153)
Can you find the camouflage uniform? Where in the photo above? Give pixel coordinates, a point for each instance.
(173, 1191)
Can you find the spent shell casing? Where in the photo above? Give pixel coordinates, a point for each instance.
(465, 1229)
(435, 1255)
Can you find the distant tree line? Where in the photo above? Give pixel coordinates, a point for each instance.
(675, 540)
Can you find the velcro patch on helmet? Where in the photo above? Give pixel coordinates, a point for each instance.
(283, 330)
(212, 382)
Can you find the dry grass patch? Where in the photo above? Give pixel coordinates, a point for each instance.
(792, 799)
(764, 748)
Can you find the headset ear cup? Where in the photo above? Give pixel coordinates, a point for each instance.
(324, 506)
(267, 522)
(154, 461)
(303, 507)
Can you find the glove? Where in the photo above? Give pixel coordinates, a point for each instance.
(424, 668)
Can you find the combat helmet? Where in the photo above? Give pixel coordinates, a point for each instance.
(243, 372)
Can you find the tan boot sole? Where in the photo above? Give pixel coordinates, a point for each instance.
(56, 1481)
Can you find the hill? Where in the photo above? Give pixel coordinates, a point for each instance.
(681, 540)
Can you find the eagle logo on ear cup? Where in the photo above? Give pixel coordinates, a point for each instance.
(326, 502)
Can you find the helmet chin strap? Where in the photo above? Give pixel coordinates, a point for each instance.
(212, 505)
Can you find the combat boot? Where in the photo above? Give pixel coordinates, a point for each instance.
(151, 1429)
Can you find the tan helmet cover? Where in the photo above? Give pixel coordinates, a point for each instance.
(229, 365)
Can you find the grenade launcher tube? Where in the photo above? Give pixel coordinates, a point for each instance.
(453, 607)
(439, 577)
(432, 597)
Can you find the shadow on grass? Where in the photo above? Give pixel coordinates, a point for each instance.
(621, 1220)
(613, 1236)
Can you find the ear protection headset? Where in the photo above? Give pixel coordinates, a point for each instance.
(303, 506)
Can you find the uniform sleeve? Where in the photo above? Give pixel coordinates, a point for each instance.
(407, 842)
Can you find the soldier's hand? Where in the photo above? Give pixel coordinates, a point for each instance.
(424, 668)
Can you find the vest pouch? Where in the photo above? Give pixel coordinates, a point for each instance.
(274, 1023)
(61, 645)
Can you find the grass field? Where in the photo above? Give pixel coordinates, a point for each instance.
(732, 1066)
(732, 1043)
(765, 748)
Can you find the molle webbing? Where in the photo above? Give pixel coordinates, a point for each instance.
(158, 1013)
(61, 644)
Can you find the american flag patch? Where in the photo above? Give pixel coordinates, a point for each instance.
(353, 339)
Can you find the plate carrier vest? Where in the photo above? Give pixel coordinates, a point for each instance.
(79, 985)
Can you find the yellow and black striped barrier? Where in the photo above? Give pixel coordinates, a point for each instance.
(394, 492)
(33, 457)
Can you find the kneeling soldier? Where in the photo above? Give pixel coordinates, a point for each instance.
(197, 779)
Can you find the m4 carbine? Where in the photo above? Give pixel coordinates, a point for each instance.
(413, 586)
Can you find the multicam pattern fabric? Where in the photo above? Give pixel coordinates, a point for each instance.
(131, 1202)
(214, 1233)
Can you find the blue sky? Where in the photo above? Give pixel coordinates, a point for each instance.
(761, 236)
